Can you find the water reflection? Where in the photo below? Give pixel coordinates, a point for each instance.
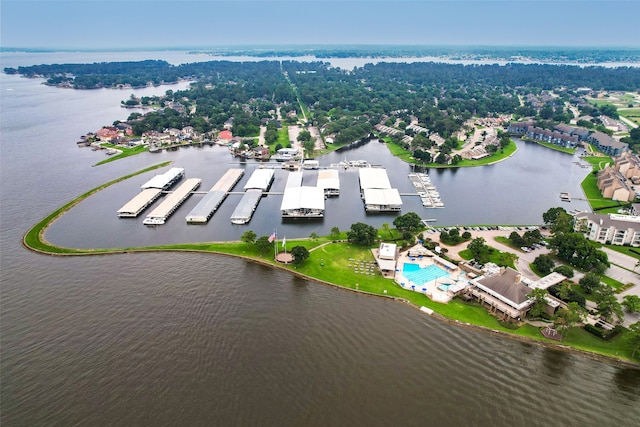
(627, 381)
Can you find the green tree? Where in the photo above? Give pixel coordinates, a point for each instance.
(304, 136)
(263, 244)
(313, 236)
(409, 221)
(631, 303)
(479, 250)
(567, 317)
(300, 254)
(544, 264)
(538, 295)
(589, 282)
(248, 237)
(565, 270)
(608, 304)
(335, 233)
(362, 234)
(632, 338)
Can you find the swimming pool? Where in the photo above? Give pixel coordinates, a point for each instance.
(419, 275)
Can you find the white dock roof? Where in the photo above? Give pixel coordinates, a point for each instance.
(260, 179)
(329, 179)
(373, 178)
(136, 205)
(173, 200)
(294, 179)
(382, 197)
(161, 181)
(302, 198)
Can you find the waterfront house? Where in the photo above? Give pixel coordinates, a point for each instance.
(612, 229)
(613, 185)
(628, 164)
(503, 292)
(607, 144)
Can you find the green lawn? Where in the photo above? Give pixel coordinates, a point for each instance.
(126, 152)
(590, 187)
(631, 114)
(407, 156)
(627, 250)
(557, 147)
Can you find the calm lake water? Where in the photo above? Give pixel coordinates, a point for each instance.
(194, 339)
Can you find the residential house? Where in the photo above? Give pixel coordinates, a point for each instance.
(613, 185)
(628, 164)
(607, 144)
(612, 229)
(520, 128)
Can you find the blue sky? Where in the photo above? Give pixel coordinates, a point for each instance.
(202, 23)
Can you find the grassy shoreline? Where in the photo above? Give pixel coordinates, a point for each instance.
(328, 264)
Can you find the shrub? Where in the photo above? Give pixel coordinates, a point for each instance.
(603, 334)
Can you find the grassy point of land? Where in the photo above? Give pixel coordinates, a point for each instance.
(331, 262)
(126, 152)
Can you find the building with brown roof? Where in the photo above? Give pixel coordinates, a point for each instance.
(607, 144)
(628, 164)
(503, 292)
(613, 185)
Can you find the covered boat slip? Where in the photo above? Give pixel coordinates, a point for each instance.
(294, 179)
(302, 202)
(160, 214)
(228, 180)
(382, 200)
(203, 211)
(261, 179)
(373, 178)
(165, 180)
(139, 203)
(244, 211)
(206, 207)
(329, 182)
(376, 191)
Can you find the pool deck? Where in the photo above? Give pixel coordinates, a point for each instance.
(431, 287)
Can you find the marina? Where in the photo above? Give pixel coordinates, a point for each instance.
(426, 190)
(169, 205)
(203, 211)
(259, 182)
(140, 202)
(376, 191)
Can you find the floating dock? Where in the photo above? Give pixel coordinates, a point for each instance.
(376, 191)
(168, 206)
(426, 190)
(165, 180)
(259, 182)
(139, 203)
(203, 211)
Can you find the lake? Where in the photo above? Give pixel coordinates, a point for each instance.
(197, 339)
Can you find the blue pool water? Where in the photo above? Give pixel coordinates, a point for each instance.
(420, 275)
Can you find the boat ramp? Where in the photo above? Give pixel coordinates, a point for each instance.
(168, 206)
(203, 211)
(426, 190)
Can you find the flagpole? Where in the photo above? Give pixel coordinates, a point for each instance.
(275, 244)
